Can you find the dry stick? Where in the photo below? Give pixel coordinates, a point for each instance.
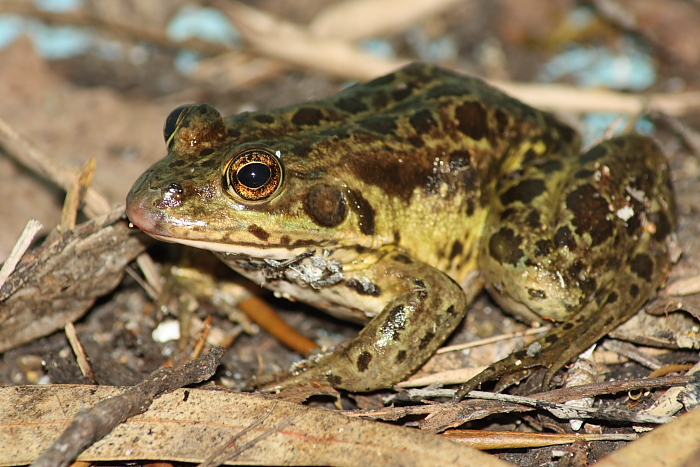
(30, 156)
(75, 195)
(492, 340)
(80, 354)
(90, 425)
(8, 267)
(484, 439)
(556, 395)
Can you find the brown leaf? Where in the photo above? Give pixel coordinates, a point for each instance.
(189, 425)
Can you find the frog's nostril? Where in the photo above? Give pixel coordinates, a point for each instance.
(175, 188)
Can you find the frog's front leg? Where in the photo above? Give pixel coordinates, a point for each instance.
(421, 308)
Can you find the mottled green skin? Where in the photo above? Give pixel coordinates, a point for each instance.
(413, 191)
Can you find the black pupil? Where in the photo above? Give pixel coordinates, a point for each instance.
(254, 175)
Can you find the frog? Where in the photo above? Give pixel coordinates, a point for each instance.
(397, 201)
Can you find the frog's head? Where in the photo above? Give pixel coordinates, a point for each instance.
(261, 198)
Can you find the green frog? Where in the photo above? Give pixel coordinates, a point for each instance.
(397, 201)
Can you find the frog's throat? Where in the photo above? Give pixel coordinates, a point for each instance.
(276, 252)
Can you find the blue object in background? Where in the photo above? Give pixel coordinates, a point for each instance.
(57, 42)
(186, 61)
(52, 42)
(11, 27)
(205, 23)
(381, 48)
(596, 125)
(627, 68)
(58, 6)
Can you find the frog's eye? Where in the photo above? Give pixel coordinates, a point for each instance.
(172, 121)
(254, 174)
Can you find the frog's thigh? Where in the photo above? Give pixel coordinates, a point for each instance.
(590, 228)
(422, 306)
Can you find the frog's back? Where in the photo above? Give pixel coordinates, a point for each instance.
(419, 147)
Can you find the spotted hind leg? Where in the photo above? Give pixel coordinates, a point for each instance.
(586, 245)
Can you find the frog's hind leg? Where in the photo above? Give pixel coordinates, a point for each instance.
(586, 244)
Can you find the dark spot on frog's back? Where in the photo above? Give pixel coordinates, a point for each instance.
(364, 211)
(584, 174)
(533, 219)
(543, 248)
(403, 259)
(502, 125)
(663, 225)
(504, 246)
(473, 121)
(395, 172)
(258, 232)
(209, 163)
(425, 341)
(565, 237)
(325, 205)
(591, 213)
(351, 105)
(536, 294)
(634, 290)
(416, 141)
(447, 90)
(381, 125)
(400, 356)
(594, 154)
(422, 121)
(264, 118)
(525, 191)
(550, 166)
(307, 116)
(457, 249)
(643, 266)
(363, 361)
(401, 93)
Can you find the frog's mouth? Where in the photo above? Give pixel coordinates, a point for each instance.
(159, 225)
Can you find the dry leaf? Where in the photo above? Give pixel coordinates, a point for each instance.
(189, 425)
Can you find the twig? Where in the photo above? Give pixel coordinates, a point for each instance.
(633, 353)
(492, 340)
(80, 354)
(8, 267)
(90, 425)
(75, 195)
(30, 156)
(566, 412)
(556, 395)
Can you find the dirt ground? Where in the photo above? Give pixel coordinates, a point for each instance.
(110, 102)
